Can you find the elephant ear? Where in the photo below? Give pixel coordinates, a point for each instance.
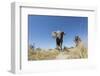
(63, 33)
(54, 34)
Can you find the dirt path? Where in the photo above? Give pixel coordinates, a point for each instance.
(62, 55)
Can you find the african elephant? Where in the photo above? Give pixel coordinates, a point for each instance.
(58, 35)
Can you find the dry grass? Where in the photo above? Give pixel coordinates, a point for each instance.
(42, 55)
(77, 52)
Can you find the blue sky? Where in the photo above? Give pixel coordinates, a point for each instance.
(40, 28)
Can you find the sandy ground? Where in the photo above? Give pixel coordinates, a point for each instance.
(62, 55)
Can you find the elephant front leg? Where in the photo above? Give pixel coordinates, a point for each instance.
(57, 46)
(58, 43)
(61, 45)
